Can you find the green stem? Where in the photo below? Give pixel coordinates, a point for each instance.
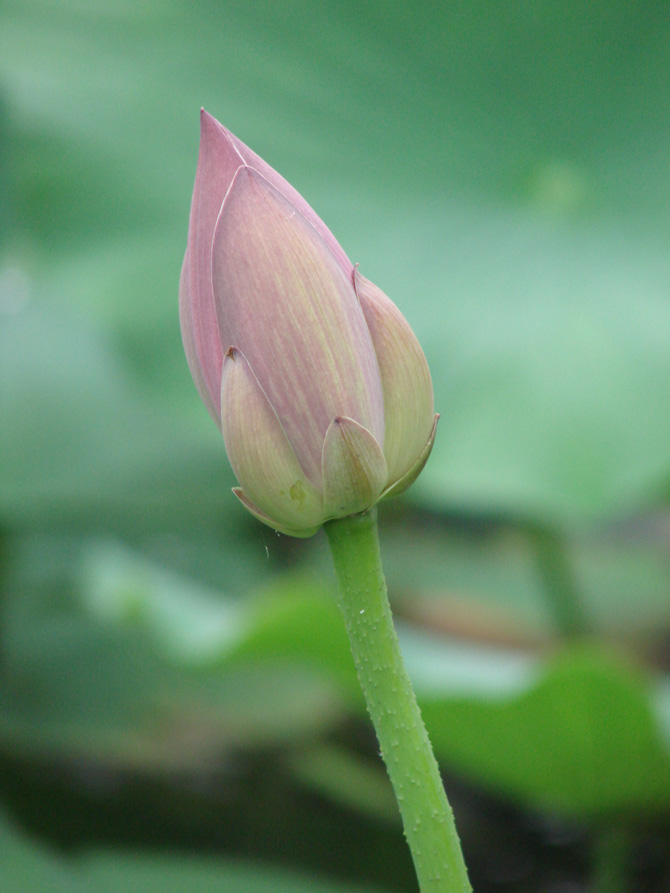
(554, 568)
(427, 817)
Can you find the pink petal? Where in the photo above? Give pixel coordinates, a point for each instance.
(290, 194)
(217, 163)
(284, 301)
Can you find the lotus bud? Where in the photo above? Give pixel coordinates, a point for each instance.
(317, 382)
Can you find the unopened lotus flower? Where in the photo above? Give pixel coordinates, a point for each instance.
(316, 380)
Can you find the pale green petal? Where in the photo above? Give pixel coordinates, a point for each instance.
(260, 454)
(353, 467)
(261, 516)
(406, 382)
(410, 476)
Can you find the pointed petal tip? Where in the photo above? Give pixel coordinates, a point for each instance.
(359, 281)
(354, 470)
(207, 118)
(214, 134)
(207, 121)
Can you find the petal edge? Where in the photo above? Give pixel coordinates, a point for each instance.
(265, 519)
(412, 473)
(406, 381)
(260, 453)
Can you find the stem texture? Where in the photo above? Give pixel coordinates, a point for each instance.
(427, 817)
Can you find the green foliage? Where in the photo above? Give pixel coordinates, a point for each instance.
(26, 868)
(518, 220)
(583, 733)
(586, 738)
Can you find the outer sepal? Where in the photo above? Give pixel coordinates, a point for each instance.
(261, 516)
(274, 485)
(413, 473)
(406, 382)
(353, 468)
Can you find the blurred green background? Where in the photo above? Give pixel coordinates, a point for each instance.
(178, 707)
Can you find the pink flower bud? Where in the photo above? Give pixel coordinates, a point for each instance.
(317, 382)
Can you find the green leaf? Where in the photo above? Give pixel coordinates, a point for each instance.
(124, 666)
(564, 730)
(585, 732)
(294, 619)
(585, 738)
